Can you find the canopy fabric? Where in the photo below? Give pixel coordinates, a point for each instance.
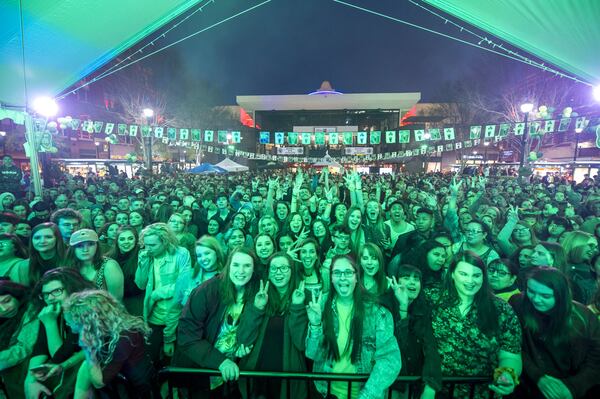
(231, 166)
(206, 168)
(67, 40)
(562, 32)
(328, 161)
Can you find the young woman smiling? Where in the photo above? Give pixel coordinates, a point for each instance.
(372, 264)
(125, 251)
(561, 340)
(210, 320)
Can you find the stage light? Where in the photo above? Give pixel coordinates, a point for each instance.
(526, 108)
(148, 112)
(45, 106)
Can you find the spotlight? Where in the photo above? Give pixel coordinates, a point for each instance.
(45, 106)
(526, 108)
(596, 92)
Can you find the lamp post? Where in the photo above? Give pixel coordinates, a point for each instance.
(576, 152)
(526, 108)
(148, 114)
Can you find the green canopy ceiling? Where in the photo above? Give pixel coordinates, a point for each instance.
(68, 39)
(565, 33)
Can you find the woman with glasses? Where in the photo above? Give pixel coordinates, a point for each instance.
(477, 239)
(125, 253)
(208, 327)
(84, 255)
(56, 353)
(350, 333)
(113, 343)
(275, 327)
(13, 259)
(503, 278)
(561, 340)
(515, 233)
(477, 333)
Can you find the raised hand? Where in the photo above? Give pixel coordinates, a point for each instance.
(513, 214)
(298, 296)
(313, 310)
(455, 186)
(49, 313)
(400, 292)
(262, 296)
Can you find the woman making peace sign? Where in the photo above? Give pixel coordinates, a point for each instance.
(352, 334)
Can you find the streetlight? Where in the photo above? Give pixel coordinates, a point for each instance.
(45, 106)
(148, 114)
(526, 108)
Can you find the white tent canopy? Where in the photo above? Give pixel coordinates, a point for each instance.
(328, 161)
(231, 166)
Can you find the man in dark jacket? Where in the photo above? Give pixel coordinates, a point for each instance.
(10, 177)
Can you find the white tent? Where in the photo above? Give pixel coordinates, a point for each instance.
(231, 166)
(328, 162)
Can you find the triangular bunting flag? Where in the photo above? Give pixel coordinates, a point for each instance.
(581, 123)
(361, 138)
(390, 137)
(375, 137)
(320, 138)
(98, 126)
(306, 138)
(108, 130)
(264, 137)
(159, 132)
(334, 138)
(519, 128)
(292, 138)
(504, 129)
(279, 138)
(122, 129)
(209, 136)
(449, 134)
(75, 124)
(222, 136)
(348, 138)
(236, 137)
(145, 131)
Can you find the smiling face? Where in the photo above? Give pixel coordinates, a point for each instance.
(369, 263)
(340, 212)
(541, 296)
(468, 279)
(475, 234)
(241, 269)
(296, 224)
(280, 273)
(354, 219)
(264, 247)
(308, 255)
(239, 221)
(500, 276)
(412, 284)
(372, 211)
(319, 229)
(207, 258)
(281, 211)
(43, 240)
(343, 278)
(236, 239)
(126, 242)
(397, 213)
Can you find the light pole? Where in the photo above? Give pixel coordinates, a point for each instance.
(148, 113)
(526, 108)
(576, 152)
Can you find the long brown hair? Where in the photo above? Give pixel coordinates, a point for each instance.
(276, 303)
(227, 288)
(35, 260)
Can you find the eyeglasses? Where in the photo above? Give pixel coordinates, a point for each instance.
(499, 272)
(343, 238)
(279, 269)
(520, 230)
(55, 293)
(343, 273)
(473, 232)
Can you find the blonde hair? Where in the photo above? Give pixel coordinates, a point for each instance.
(164, 234)
(102, 319)
(574, 245)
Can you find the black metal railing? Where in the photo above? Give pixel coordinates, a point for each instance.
(413, 382)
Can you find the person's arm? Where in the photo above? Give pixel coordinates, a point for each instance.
(143, 269)
(249, 325)
(297, 320)
(113, 275)
(23, 346)
(504, 243)
(184, 273)
(268, 207)
(387, 357)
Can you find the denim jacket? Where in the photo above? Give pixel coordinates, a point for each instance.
(379, 356)
(174, 272)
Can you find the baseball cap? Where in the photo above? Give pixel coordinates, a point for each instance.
(83, 235)
(139, 191)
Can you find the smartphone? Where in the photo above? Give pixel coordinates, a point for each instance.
(41, 369)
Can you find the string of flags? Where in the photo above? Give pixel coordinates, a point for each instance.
(402, 136)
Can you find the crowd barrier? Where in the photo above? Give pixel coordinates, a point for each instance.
(168, 374)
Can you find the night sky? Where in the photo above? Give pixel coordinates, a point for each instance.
(291, 46)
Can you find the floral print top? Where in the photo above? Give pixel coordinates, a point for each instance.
(465, 350)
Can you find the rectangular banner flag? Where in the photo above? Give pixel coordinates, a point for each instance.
(222, 136)
(519, 128)
(440, 148)
(449, 147)
(184, 134)
(504, 129)
(75, 124)
(87, 126)
(279, 138)
(320, 138)
(109, 128)
(306, 138)
(236, 137)
(159, 132)
(133, 129)
(292, 138)
(172, 133)
(549, 126)
(209, 136)
(468, 144)
(121, 129)
(404, 136)
(580, 124)
(361, 138)
(195, 134)
(265, 137)
(458, 145)
(564, 124)
(475, 132)
(145, 131)
(435, 134)
(390, 137)
(449, 134)
(334, 138)
(490, 131)
(419, 134)
(348, 140)
(98, 126)
(375, 137)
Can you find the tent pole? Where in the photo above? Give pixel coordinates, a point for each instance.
(33, 155)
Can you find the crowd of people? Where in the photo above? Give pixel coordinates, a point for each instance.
(104, 281)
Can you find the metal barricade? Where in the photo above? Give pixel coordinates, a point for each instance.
(166, 374)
